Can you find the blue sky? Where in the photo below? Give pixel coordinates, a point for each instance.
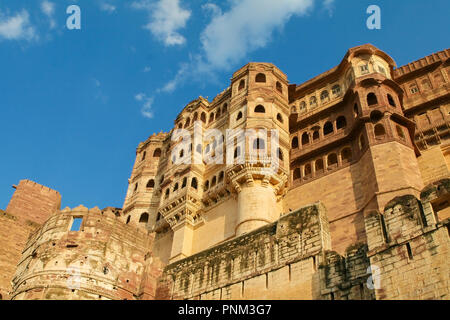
(74, 104)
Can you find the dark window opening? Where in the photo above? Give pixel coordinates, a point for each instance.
(260, 109)
(143, 218)
(305, 139)
(327, 128)
(294, 143)
(260, 77)
(194, 183)
(391, 100)
(151, 183)
(341, 122)
(372, 99)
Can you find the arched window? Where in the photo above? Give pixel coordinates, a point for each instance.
(336, 90)
(194, 183)
(159, 216)
(313, 102)
(258, 144)
(136, 187)
(391, 100)
(302, 106)
(324, 96)
(319, 166)
(346, 155)
(157, 153)
(183, 185)
(260, 77)
(341, 122)
(175, 188)
(218, 113)
(294, 109)
(241, 85)
(327, 128)
(316, 135)
(143, 218)
(225, 108)
(206, 185)
(380, 132)
(151, 183)
(188, 122)
(211, 117)
(280, 154)
(308, 171)
(221, 175)
(167, 193)
(297, 174)
(260, 109)
(181, 154)
(239, 116)
(203, 117)
(180, 126)
(332, 161)
(195, 117)
(144, 155)
(372, 99)
(237, 152)
(305, 139)
(294, 143)
(400, 132)
(213, 181)
(128, 220)
(279, 87)
(280, 118)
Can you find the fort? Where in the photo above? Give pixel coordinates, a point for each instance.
(357, 208)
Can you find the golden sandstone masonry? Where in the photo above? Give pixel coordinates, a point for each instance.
(358, 207)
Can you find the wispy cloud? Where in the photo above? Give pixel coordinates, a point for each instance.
(107, 7)
(329, 6)
(48, 8)
(147, 103)
(99, 94)
(230, 36)
(17, 27)
(166, 18)
(146, 69)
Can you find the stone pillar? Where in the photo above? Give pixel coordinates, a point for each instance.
(256, 204)
(183, 235)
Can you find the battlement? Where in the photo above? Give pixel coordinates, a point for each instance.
(238, 267)
(421, 63)
(103, 258)
(33, 201)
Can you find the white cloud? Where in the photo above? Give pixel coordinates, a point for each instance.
(107, 7)
(166, 19)
(329, 6)
(147, 69)
(17, 27)
(230, 36)
(48, 8)
(147, 103)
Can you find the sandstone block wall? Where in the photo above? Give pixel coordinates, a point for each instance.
(411, 251)
(105, 259)
(29, 207)
(277, 261)
(33, 201)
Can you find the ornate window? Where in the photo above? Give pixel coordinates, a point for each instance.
(260, 77)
